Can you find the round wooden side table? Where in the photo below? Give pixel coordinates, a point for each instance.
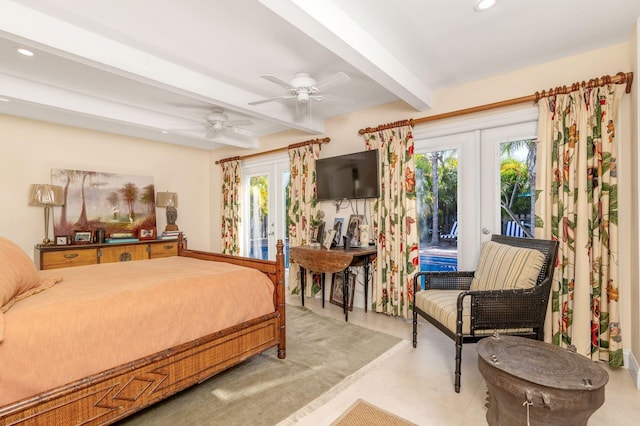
(536, 383)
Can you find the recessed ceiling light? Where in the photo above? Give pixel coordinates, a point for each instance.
(482, 5)
(25, 52)
(164, 131)
(4, 100)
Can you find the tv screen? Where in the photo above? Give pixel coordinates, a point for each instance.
(348, 176)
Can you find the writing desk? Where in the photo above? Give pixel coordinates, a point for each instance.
(333, 261)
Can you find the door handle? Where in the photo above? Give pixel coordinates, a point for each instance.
(486, 231)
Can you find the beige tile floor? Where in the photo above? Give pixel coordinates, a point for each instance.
(417, 384)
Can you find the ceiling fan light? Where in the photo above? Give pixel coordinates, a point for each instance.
(217, 125)
(303, 97)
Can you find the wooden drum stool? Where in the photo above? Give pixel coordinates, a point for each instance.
(532, 382)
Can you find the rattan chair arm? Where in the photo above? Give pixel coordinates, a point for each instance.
(505, 309)
(460, 280)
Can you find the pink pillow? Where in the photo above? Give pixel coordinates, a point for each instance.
(19, 278)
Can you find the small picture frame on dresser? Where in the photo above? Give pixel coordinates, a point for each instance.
(147, 234)
(82, 237)
(62, 240)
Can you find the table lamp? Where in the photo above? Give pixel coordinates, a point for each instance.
(170, 201)
(47, 196)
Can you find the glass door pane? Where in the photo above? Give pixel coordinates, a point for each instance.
(437, 185)
(264, 208)
(258, 216)
(508, 180)
(517, 184)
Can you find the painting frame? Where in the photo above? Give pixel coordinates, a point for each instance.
(61, 240)
(83, 236)
(329, 239)
(317, 233)
(335, 296)
(95, 199)
(338, 224)
(147, 234)
(355, 220)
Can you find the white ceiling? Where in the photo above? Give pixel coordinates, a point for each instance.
(137, 67)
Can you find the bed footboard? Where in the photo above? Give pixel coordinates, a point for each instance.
(111, 395)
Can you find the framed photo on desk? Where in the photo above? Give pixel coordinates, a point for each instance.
(336, 295)
(329, 239)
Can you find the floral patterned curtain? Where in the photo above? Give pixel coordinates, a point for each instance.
(394, 221)
(301, 208)
(577, 204)
(231, 178)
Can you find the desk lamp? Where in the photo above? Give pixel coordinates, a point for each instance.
(46, 196)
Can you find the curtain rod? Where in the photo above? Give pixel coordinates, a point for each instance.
(284, 148)
(619, 78)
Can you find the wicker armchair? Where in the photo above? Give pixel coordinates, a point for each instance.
(467, 316)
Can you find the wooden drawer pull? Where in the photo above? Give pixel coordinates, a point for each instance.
(70, 255)
(168, 247)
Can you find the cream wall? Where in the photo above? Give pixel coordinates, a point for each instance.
(30, 149)
(343, 132)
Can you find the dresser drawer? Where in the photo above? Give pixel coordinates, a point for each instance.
(163, 249)
(67, 258)
(123, 253)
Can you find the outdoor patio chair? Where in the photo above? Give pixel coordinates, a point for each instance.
(452, 235)
(507, 293)
(513, 229)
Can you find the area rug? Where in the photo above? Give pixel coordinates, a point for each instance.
(321, 353)
(362, 413)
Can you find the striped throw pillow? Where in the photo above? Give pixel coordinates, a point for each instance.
(504, 267)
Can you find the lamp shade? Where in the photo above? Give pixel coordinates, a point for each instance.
(46, 195)
(166, 199)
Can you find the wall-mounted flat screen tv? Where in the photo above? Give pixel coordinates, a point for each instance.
(348, 176)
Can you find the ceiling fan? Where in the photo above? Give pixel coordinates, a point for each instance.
(217, 121)
(304, 88)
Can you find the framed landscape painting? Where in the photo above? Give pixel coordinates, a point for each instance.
(114, 202)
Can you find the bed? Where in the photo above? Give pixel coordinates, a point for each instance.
(132, 334)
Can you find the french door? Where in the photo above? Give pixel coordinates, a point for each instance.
(264, 190)
(471, 172)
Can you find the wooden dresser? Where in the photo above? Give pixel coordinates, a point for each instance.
(52, 257)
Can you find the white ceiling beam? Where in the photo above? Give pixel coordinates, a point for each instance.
(95, 109)
(74, 43)
(328, 25)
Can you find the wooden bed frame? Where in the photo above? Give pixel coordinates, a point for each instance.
(111, 395)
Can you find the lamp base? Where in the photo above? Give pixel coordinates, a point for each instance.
(171, 228)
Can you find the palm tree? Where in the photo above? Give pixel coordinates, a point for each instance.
(148, 198)
(435, 234)
(129, 193)
(508, 149)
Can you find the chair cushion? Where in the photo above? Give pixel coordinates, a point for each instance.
(441, 305)
(504, 267)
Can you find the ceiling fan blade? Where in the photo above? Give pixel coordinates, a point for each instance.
(239, 123)
(332, 80)
(277, 98)
(278, 81)
(239, 131)
(339, 99)
(262, 101)
(187, 126)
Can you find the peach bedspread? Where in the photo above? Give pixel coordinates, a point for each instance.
(102, 316)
